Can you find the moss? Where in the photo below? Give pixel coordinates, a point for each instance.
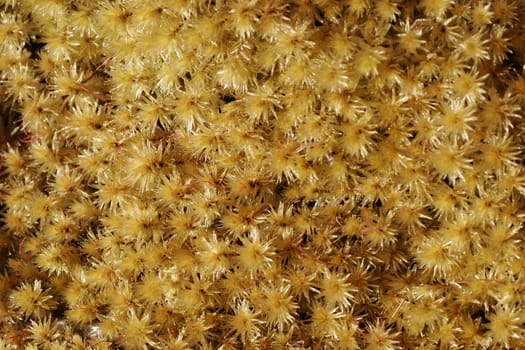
(262, 174)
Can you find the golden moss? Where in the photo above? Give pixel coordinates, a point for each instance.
(262, 174)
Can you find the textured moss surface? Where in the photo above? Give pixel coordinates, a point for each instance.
(302, 174)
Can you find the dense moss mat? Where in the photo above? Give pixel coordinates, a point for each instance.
(302, 174)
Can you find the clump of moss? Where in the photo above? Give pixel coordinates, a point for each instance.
(262, 174)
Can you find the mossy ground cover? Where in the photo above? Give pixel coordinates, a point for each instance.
(183, 174)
